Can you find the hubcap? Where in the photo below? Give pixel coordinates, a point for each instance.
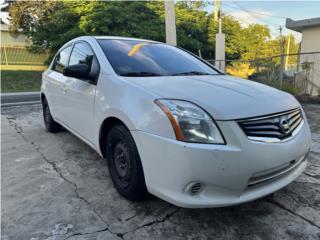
(122, 162)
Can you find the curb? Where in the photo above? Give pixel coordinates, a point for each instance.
(19, 98)
(20, 104)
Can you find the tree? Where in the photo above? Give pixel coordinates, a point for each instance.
(25, 14)
(255, 39)
(191, 24)
(42, 22)
(232, 29)
(192, 28)
(49, 24)
(129, 19)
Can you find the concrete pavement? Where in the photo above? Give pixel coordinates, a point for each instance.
(56, 187)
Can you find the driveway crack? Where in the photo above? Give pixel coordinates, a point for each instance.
(312, 176)
(88, 233)
(157, 221)
(292, 212)
(129, 218)
(165, 218)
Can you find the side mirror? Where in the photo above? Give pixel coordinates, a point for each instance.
(80, 71)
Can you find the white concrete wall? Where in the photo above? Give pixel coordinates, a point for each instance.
(12, 40)
(310, 39)
(311, 43)
(19, 40)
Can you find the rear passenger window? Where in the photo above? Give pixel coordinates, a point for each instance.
(81, 54)
(61, 60)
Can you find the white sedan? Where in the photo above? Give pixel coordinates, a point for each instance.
(172, 125)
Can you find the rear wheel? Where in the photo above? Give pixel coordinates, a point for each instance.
(51, 125)
(124, 164)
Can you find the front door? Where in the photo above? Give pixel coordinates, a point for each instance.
(55, 83)
(80, 93)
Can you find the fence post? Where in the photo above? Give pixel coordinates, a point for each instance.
(312, 77)
(5, 55)
(281, 70)
(281, 57)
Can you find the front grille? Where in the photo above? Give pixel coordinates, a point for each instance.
(279, 126)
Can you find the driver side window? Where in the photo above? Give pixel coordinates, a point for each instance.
(61, 60)
(82, 54)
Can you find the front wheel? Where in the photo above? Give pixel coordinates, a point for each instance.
(124, 164)
(51, 125)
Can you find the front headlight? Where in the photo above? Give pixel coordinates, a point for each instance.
(190, 122)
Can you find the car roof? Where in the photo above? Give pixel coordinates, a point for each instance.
(123, 38)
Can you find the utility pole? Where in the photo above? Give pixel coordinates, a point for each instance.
(281, 57)
(220, 16)
(215, 12)
(287, 53)
(170, 21)
(220, 42)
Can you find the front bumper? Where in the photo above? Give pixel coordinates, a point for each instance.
(238, 172)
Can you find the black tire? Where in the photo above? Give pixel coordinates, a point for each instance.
(124, 164)
(50, 124)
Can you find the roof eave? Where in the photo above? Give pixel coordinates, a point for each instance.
(299, 25)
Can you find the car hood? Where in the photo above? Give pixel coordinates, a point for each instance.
(223, 96)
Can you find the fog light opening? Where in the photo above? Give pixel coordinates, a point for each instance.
(194, 188)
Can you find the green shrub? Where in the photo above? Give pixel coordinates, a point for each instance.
(292, 89)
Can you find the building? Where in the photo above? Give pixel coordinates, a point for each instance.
(8, 39)
(309, 49)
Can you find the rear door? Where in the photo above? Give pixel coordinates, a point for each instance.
(55, 83)
(80, 93)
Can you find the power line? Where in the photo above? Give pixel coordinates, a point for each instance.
(249, 13)
(244, 21)
(262, 20)
(272, 32)
(241, 20)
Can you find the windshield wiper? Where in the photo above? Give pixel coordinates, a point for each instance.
(139, 74)
(191, 73)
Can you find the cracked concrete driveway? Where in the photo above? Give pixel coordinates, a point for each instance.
(56, 187)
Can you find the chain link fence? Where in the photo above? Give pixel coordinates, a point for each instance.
(19, 55)
(297, 73)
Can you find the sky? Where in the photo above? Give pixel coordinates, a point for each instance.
(3, 15)
(271, 13)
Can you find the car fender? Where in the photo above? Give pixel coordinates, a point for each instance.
(132, 105)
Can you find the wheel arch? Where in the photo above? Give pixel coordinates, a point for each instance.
(42, 97)
(105, 127)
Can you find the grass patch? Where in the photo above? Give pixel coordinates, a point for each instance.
(20, 81)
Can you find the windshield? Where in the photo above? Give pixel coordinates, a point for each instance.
(141, 58)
